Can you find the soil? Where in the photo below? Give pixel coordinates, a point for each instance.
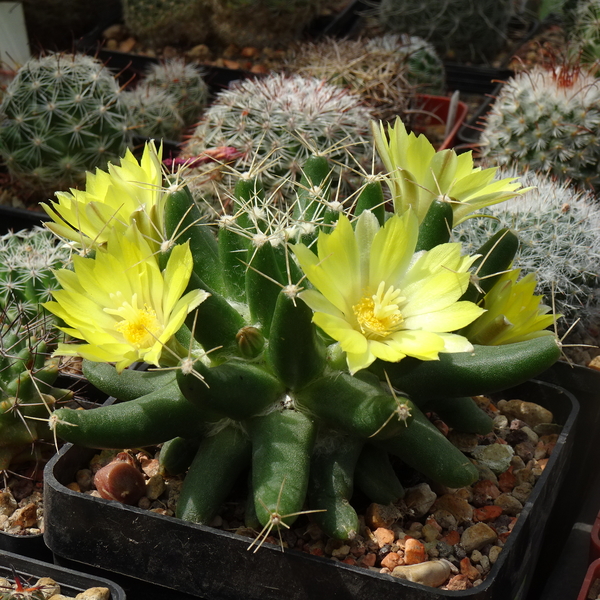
(430, 524)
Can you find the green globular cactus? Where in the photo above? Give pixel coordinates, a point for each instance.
(27, 261)
(547, 120)
(27, 395)
(61, 116)
(290, 371)
(157, 23)
(384, 71)
(559, 230)
(183, 81)
(584, 33)
(262, 22)
(459, 29)
(276, 122)
(153, 112)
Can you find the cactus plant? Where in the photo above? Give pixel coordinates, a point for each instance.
(185, 82)
(547, 120)
(61, 115)
(384, 70)
(157, 23)
(262, 23)
(559, 229)
(153, 112)
(27, 395)
(584, 31)
(280, 349)
(459, 29)
(277, 121)
(27, 261)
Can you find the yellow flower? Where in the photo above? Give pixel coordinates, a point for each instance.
(379, 299)
(121, 303)
(418, 175)
(513, 313)
(130, 192)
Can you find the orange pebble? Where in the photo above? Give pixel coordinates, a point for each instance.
(467, 568)
(507, 480)
(414, 552)
(452, 537)
(487, 513)
(392, 560)
(349, 561)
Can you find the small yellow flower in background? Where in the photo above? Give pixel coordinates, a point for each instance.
(417, 175)
(113, 199)
(121, 303)
(513, 313)
(379, 299)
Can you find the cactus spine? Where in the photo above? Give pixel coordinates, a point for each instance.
(547, 120)
(62, 115)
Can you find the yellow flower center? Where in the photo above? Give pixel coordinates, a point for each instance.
(141, 329)
(379, 315)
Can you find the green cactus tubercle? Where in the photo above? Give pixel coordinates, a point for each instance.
(260, 389)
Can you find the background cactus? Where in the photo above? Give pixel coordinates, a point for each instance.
(153, 112)
(385, 71)
(27, 259)
(559, 231)
(157, 23)
(276, 122)
(184, 82)
(262, 23)
(547, 120)
(584, 31)
(258, 388)
(459, 29)
(61, 115)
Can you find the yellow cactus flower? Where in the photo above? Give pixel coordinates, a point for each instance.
(130, 192)
(513, 313)
(379, 299)
(417, 175)
(121, 303)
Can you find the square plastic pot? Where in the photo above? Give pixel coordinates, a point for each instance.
(71, 582)
(198, 561)
(432, 111)
(590, 590)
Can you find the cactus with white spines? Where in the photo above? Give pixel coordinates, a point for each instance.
(153, 112)
(548, 120)
(584, 33)
(559, 230)
(27, 261)
(185, 82)
(61, 115)
(276, 122)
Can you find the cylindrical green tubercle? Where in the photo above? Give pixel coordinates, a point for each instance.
(282, 443)
(462, 414)
(296, 352)
(436, 226)
(376, 476)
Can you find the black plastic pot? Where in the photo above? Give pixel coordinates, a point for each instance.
(16, 219)
(196, 561)
(71, 582)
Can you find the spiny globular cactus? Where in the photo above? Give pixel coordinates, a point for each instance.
(304, 348)
(61, 116)
(459, 29)
(27, 261)
(559, 229)
(547, 120)
(384, 71)
(584, 31)
(157, 23)
(27, 395)
(185, 82)
(276, 122)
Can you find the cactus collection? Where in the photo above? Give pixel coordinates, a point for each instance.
(60, 116)
(288, 341)
(459, 29)
(547, 119)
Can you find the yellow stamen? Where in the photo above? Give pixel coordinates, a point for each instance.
(140, 331)
(379, 315)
